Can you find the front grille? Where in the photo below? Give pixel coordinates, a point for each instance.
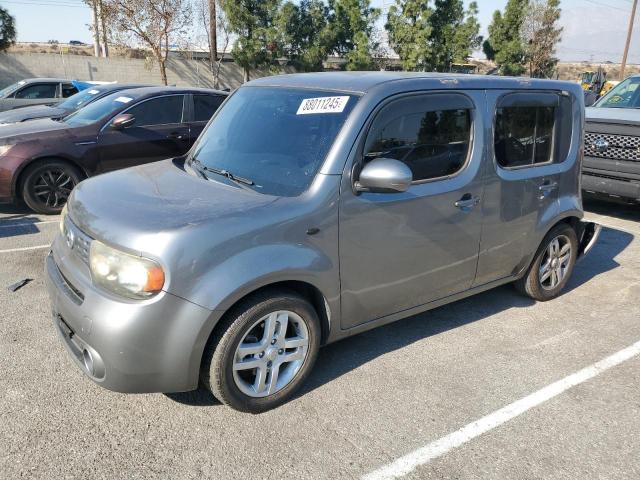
(615, 147)
(78, 241)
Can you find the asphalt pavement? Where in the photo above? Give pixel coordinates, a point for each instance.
(388, 394)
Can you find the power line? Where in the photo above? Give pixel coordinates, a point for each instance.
(600, 4)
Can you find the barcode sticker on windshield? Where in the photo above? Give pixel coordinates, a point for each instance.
(322, 105)
(123, 99)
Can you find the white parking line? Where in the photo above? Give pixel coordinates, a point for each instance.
(24, 249)
(27, 224)
(406, 464)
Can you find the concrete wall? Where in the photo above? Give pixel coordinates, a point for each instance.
(16, 66)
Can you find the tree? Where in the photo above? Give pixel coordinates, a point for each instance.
(454, 33)
(504, 44)
(409, 29)
(306, 38)
(540, 34)
(7, 30)
(253, 23)
(222, 36)
(351, 23)
(154, 23)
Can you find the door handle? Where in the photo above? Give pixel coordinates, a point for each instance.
(176, 136)
(467, 202)
(546, 188)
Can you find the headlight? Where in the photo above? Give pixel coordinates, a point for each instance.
(63, 215)
(124, 274)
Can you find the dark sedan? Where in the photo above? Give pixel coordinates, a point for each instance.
(64, 108)
(42, 160)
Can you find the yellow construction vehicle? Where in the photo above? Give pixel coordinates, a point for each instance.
(596, 83)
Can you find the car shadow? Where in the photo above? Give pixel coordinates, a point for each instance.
(18, 220)
(612, 208)
(342, 357)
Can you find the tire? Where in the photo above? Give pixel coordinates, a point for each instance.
(256, 323)
(546, 283)
(47, 185)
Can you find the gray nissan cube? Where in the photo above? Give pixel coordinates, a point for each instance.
(314, 207)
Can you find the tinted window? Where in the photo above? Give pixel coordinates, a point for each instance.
(6, 91)
(158, 111)
(524, 135)
(204, 106)
(624, 95)
(81, 98)
(68, 90)
(99, 109)
(40, 90)
(267, 135)
(432, 144)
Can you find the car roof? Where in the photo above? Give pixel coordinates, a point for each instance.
(148, 91)
(43, 79)
(362, 82)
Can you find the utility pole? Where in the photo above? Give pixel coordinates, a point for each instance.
(629, 32)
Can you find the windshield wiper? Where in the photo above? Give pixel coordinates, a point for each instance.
(224, 173)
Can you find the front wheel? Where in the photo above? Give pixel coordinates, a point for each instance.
(47, 186)
(263, 352)
(552, 265)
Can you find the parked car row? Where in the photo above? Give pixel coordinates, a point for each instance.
(610, 168)
(42, 160)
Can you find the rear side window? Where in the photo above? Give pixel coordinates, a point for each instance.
(68, 90)
(524, 129)
(432, 141)
(204, 106)
(40, 90)
(158, 111)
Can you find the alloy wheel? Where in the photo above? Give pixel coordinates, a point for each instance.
(555, 262)
(52, 187)
(270, 354)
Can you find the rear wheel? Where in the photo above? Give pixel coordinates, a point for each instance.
(552, 265)
(47, 186)
(263, 352)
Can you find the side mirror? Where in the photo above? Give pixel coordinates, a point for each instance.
(384, 175)
(123, 121)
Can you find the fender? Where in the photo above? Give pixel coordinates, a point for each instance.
(25, 164)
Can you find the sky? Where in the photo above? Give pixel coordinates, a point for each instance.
(593, 29)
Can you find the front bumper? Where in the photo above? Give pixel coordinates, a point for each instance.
(614, 187)
(154, 345)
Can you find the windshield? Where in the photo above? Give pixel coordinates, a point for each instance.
(275, 137)
(624, 95)
(98, 109)
(81, 98)
(11, 88)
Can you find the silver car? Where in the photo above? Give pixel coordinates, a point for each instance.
(36, 91)
(314, 207)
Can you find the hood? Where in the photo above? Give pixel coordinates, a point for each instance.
(622, 116)
(138, 206)
(34, 129)
(30, 113)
